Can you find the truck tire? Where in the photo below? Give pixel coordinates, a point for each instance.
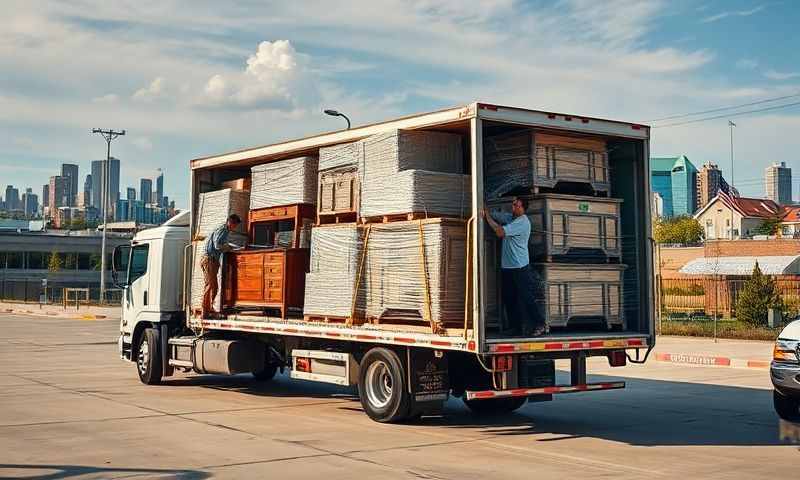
(148, 357)
(495, 406)
(382, 386)
(266, 373)
(787, 408)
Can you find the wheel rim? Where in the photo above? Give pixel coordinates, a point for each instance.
(144, 357)
(379, 384)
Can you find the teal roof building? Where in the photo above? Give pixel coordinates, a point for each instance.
(675, 179)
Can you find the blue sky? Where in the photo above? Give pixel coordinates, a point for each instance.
(189, 79)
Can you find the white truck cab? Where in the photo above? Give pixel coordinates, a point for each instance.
(150, 272)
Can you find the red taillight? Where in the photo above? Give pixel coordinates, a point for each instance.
(551, 115)
(303, 365)
(617, 358)
(636, 127)
(502, 363)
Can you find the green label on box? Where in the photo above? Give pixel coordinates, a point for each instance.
(583, 207)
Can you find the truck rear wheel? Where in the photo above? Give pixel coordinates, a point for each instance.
(495, 406)
(382, 386)
(148, 357)
(787, 408)
(266, 373)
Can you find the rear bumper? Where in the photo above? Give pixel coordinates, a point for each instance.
(786, 378)
(561, 344)
(527, 392)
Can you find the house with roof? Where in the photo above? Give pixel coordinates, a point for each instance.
(790, 222)
(675, 180)
(731, 218)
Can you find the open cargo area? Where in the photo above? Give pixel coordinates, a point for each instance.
(379, 227)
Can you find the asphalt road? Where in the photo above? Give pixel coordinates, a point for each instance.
(69, 408)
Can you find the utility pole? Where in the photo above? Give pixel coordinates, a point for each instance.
(731, 125)
(108, 135)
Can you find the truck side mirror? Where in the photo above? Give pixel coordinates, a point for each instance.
(119, 265)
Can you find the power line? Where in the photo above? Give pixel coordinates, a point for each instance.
(713, 110)
(729, 115)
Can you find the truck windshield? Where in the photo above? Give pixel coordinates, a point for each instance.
(138, 265)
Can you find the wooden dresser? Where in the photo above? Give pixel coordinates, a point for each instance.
(266, 279)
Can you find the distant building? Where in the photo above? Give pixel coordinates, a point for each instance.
(30, 203)
(99, 187)
(140, 213)
(45, 195)
(778, 183)
(146, 190)
(87, 191)
(709, 182)
(675, 179)
(59, 187)
(70, 171)
(160, 189)
(12, 198)
(730, 218)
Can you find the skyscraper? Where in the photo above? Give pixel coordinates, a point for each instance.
(87, 191)
(131, 194)
(99, 187)
(146, 190)
(70, 171)
(778, 183)
(160, 188)
(30, 203)
(675, 179)
(709, 181)
(46, 195)
(59, 187)
(12, 198)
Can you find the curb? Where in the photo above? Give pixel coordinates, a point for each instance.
(711, 361)
(54, 314)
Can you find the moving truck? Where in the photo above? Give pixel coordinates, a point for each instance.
(404, 370)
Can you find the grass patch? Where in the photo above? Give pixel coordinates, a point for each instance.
(725, 329)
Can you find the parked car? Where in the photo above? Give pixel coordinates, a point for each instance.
(785, 372)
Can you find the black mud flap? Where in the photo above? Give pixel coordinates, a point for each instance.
(429, 379)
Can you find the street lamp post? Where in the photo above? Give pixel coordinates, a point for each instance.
(108, 135)
(335, 113)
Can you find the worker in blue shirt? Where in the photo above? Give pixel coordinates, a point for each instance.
(523, 293)
(215, 245)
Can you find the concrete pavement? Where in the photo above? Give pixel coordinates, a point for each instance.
(71, 409)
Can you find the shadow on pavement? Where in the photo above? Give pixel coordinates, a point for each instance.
(648, 412)
(52, 472)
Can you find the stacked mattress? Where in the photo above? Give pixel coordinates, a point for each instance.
(284, 182)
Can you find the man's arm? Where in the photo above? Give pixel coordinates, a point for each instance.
(498, 229)
(221, 241)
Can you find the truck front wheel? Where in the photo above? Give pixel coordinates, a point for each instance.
(382, 386)
(495, 406)
(148, 357)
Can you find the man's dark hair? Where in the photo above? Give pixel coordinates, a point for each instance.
(524, 202)
(234, 218)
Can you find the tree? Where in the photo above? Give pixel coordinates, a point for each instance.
(759, 293)
(768, 227)
(54, 262)
(77, 224)
(682, 229)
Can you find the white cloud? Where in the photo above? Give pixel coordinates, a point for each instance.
(773, 75)
(733, 13)
(108, 98)
(155, 90)
(276, 77)
(143, 143)
(746, 63)
(667, 60)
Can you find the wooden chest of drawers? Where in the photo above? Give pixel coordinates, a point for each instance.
(266, 279)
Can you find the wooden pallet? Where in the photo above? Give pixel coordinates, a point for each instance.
(339, 217)
(325, 319)
(404, 217)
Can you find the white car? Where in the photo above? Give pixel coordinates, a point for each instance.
(785, 373)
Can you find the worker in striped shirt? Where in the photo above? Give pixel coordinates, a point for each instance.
(522, 289)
